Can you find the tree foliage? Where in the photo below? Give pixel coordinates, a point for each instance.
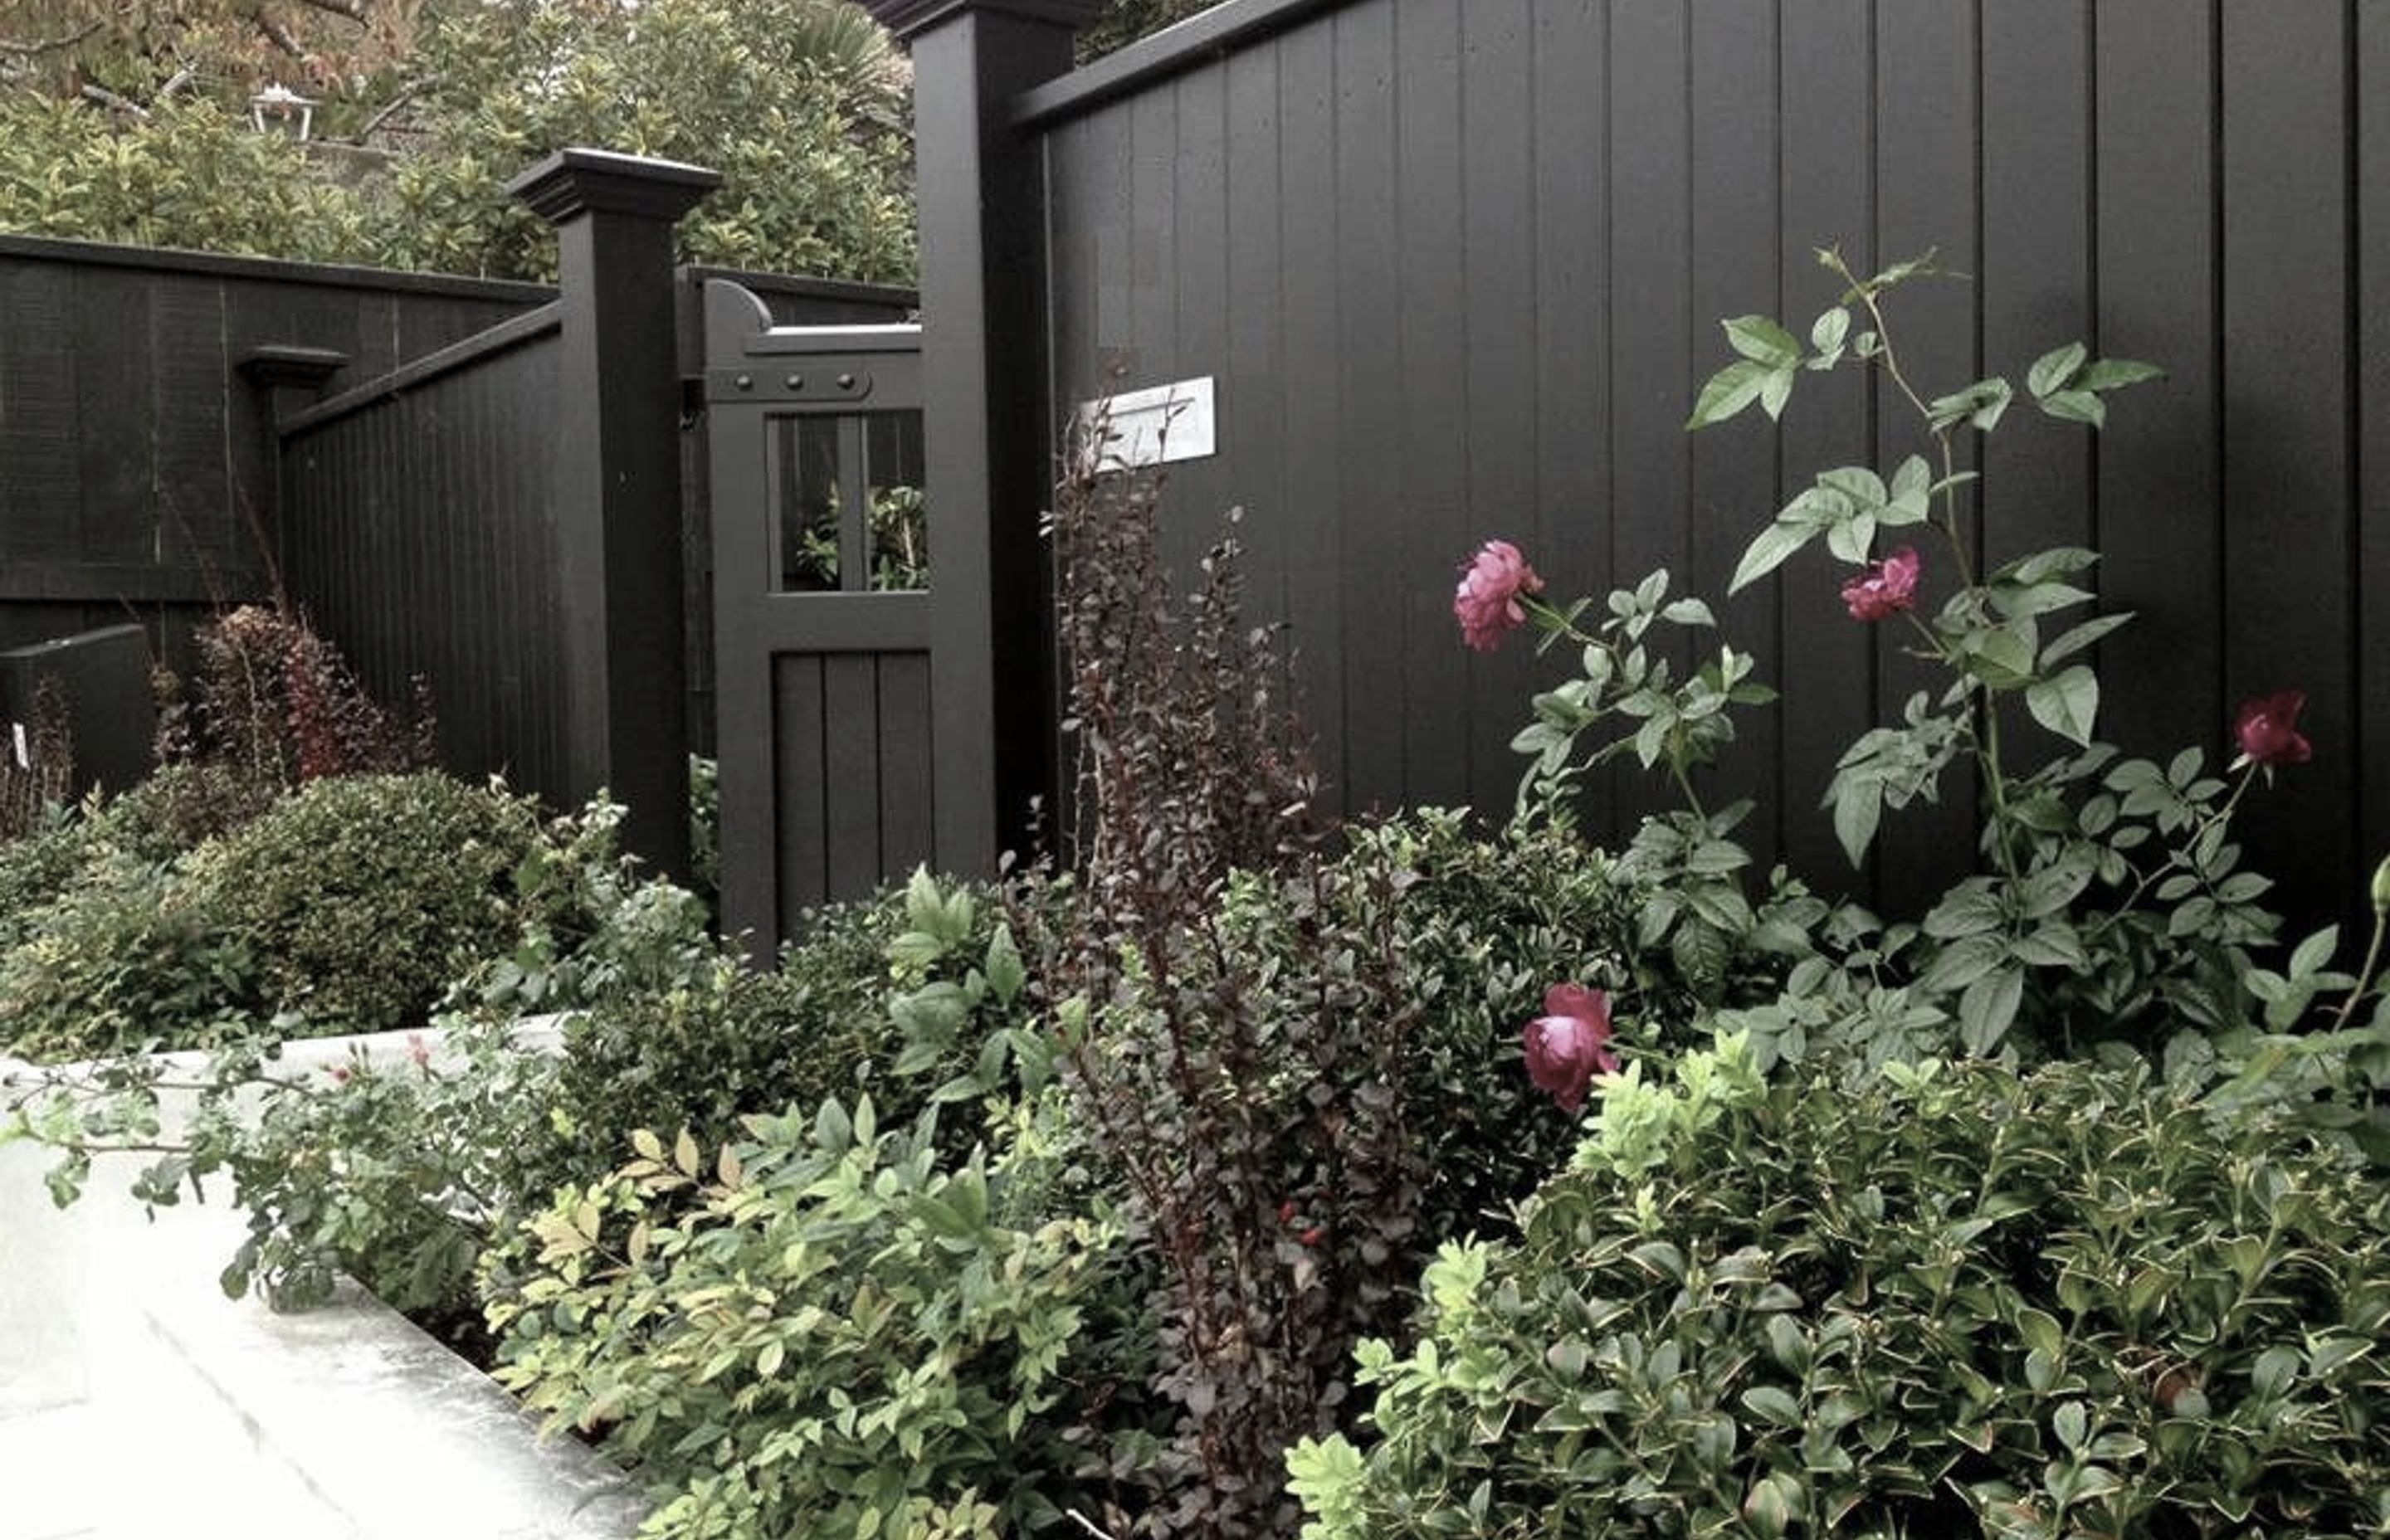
(127, 120)
(131, 56)
(1131, 19)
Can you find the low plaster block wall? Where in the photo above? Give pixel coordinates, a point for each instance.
(136, 1399)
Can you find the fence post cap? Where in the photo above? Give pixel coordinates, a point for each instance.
(908, 19)
(280, 364)
(578, 181)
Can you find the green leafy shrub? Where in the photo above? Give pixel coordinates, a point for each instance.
(123, 955)
(1481, 926)
(176, 809)
(664, 1027)
(362, 897)
(102, 945)
(180, 807)
(1961, 1301)
(393, 1168)
(823, 1331)
(194, 174)
(721, 1039)
(36, 867)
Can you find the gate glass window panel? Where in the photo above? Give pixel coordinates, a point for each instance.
(848, 510)
(807, 497)
(900, 532)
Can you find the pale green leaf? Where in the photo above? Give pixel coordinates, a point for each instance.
(1850, 540)
(1775, 1404)
(2067, 703)
(2055, 370)
(1768, 551)
(1830, 331)
(2315, 952)
(1988, 1007)
(1729, 391)
(2112, 374)
(1775, 391)
(1858, 807)
(2077, 406)
(1762, 340)
(2083, 636)
(2000, 657)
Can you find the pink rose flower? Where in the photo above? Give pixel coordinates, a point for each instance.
(1569, 1044)
(1885, 589)
(2267, 728)
(1487, 603)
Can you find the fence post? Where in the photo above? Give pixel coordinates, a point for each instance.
(618, 514)
(986, 418)
(287, 379)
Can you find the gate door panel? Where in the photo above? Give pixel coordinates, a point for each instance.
(821, 610)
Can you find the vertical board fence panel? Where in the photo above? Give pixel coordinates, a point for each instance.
(1304, 401)
(1369, 368)
(1736, 215)
(1430, 410)
(1493, 370)
(2372, 432)
(2288, 424)
(416, 521)
(1531, 214)
(2160, 457)
(1826, 146)
(1928, 196)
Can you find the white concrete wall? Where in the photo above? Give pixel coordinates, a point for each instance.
(136, 1400)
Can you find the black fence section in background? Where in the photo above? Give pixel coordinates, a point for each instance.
(523, 517)
(1456, 266)
(136, 473)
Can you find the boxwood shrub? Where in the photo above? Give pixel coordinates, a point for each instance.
(1960, 1302)
(350, 904)
(362, 896)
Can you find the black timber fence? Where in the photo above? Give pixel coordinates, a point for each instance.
(135, 473)
(176, 429)
(1452, 268)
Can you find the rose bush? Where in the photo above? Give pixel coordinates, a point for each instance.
(2109, 905)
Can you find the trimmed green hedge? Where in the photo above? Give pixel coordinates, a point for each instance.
(1960, 1302)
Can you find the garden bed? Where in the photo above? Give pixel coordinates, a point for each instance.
(344, 1420)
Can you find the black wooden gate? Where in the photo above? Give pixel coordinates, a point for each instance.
(822, 611)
